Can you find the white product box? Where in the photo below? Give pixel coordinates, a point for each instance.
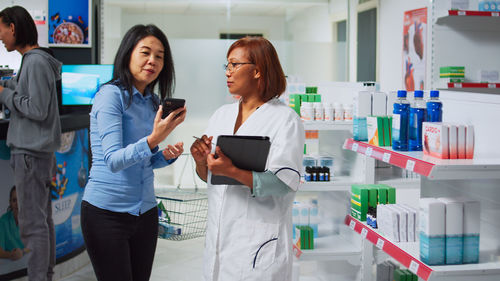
(490, 76)
(453, 141)
(472, 217)
(388, 222)
(362, 104)
(435, 137)
(391, 99)
(432, 231)
(461, 141)
(469, 141)
(454, 216)
(412, 222)
(379, 104)
(403, 222)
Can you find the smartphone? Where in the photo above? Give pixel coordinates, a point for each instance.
(170, 105)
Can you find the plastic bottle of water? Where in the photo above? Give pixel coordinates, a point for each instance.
(400, 125)
(434, 108)
(417, 116)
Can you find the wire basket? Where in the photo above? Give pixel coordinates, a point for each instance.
(182, 213)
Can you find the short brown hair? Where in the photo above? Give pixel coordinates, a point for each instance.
(261, 52)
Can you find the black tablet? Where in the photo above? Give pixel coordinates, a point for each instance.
(247, 153)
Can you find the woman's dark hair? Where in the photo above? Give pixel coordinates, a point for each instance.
(24, 26)
(260, 51)
(121, 72)
(12, 190)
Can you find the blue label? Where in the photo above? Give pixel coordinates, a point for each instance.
(400, 126)
(432, 249)
(454, 249)
(471, 249)
(359, 129)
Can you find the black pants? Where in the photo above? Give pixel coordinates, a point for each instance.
(121, 246)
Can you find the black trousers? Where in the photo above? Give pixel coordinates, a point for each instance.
(120, 246)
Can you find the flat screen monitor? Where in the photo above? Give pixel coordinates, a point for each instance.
(81, 82)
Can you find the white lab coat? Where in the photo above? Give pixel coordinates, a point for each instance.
(241, 234)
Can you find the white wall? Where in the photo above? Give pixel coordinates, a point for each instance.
(391, 41)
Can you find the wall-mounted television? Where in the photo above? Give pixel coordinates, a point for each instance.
(80, 83)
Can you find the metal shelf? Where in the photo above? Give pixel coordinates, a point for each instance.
(328, 126)
(332, 247)
(432, 168)
(408, 255)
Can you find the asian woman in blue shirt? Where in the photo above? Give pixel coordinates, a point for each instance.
(119, 216)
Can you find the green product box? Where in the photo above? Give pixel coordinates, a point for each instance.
(317, 98)
(390, 131)
(387, 131)
(372, 196)
(359, 201)
(294, 102)
(375, 129)
(310, 233)
(382, 194)
(451, 71)
(409, 275)
(400, 275)
(391, 194)
(311, 98)
(358, 215)
(304, 98)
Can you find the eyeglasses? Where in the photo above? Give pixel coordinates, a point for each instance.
(232, 66)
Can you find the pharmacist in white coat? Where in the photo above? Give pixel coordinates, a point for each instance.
(249, 227)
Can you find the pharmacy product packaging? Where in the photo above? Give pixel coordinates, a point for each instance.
(454, 230)
(391, 193)
(403, 222)
(391, 99)
(387, 131)
(362, 104)
(432, 231)
(383, 271)
(412, 219)
(469, 141)
(435, 139)
(388, 222)
(472, 213)
(379, 104)
(359, 201)
(461, 141)
(381, 194)
(453, 141)
(375, 128)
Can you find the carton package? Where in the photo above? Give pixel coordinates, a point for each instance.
(472, 211)
(359, 201)
(432, 231)
(379, 104)
(454, 230)
(461, 141)
(469, 141)
(387, 131)
(381, 194)
(412, 219)
(362, 104)
(388, 222)
(435, 135)
(403, 222)
(375, 128)
(453, 141)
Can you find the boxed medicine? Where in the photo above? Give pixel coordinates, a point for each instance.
(453, 141)
(379, 104)
(454, 230)
(469, 141)
(359, 201)
(435, 135)
(472, 213)
(432, 231)
(461, 141)
(375, 128)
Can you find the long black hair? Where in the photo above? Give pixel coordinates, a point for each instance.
(24, 26)
(121, 73)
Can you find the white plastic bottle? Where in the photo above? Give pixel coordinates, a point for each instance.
(319, 112)
(339, 112)
(307, 111)
(329, 112)
(348, 108)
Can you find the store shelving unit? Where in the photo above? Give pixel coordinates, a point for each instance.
(408, 255)
(328, 126)
(332, 247)
(432, 168)
(337, 184)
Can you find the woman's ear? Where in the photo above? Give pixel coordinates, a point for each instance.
(256, 74)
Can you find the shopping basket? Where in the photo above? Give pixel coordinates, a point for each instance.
(182, 213)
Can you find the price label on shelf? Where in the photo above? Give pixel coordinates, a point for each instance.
(387, 157)
(457, 85)
(461, 13)
(352, 224)
(369, 151)
(410, 165)
(364, 232)
(495, 14)
(354, 147)
(414, 267)
(492, 86)
(380, 244)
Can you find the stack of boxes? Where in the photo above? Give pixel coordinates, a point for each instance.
(389, 271)
(304, 237)
(448, 141)
(366, 197)
(372, 122)
(450, 74)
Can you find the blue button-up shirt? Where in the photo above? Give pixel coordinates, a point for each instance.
(121, 177)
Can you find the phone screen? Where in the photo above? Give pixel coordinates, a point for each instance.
(170, 105)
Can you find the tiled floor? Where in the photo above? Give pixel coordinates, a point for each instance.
(174, 260)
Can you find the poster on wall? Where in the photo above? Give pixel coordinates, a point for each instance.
(67, 191)
(414, 49)
(70, 23)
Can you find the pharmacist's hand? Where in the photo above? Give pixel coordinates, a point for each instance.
(163, 127)
(16, 254)
(173, 151)
(219, 164)
(201, 148)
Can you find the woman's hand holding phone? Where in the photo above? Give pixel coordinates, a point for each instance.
(163, 127)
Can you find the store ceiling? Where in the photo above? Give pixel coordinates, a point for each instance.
(221, 7)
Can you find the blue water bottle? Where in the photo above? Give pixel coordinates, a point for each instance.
(400, 125)
(417, 116)
(434, 108)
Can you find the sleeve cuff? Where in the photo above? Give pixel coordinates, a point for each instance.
(143, 150)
